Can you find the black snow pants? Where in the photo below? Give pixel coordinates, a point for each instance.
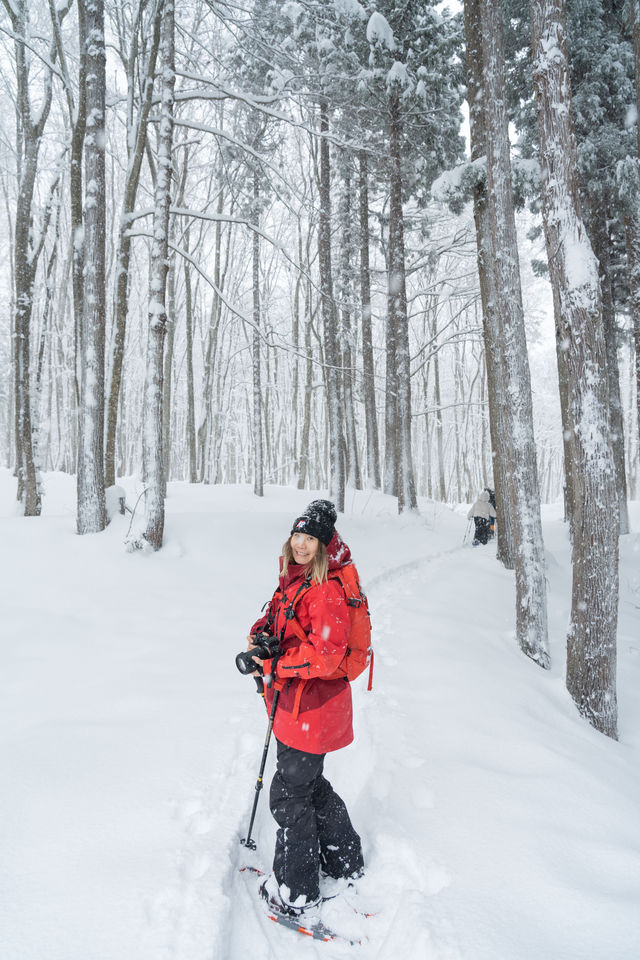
(314, 829)
(482, 529)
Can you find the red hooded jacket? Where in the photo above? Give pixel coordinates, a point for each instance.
(313, 714)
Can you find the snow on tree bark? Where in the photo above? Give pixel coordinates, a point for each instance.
(601, 249)
(334, 410)
(29, 492)
(211, 349)
(632, 230)
(77, 107)
(346, 327)
(531, 600)
(368, 387)
(152, 421)
(305, 432)
(258, 453)
(632, 222)
(30, 128)
(91, 511)
(191, 398)
(398, 320)
(169, 349)
(493, 347)
(591, 642)
(137, 127)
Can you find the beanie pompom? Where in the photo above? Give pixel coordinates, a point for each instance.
(317, 521)
(323, 508)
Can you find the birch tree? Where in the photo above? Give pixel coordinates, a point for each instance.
(591, 642)
(90, 472)
(152, 424)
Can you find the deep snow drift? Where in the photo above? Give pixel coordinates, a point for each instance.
(497, 825)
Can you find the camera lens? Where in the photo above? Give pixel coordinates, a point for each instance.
(264, 650)
(244, 662)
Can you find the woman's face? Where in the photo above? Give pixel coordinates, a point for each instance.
(304, 547)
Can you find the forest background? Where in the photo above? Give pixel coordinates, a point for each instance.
(248, 243)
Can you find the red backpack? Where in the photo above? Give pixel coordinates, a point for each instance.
(359, 653)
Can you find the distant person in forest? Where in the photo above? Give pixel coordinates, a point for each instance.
(313, 713)
(492, 520)
(482, 512)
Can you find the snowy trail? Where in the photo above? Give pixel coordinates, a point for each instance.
(483, 800)
(212, 910)
(402, 880)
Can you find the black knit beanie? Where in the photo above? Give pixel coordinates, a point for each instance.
(318, 520)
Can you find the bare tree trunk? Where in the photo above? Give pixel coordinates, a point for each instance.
(258, 453)
(26, 253)
(601, 250)
(10, 427)
(167, 385)
(531, 595)
(332, 359)
(390, 475)
(29, 489)
(347, 339)
(405, 483)
(488, 295)
(368, 372)
(91, 516)
(191, 401)
(295, 329)
(305, 436)
(633, 221)
(78, 122)
(211, 351)
(47, 323)
(632, 230)
(136, 144)
(591, 643)
(152, 456)
(442, 486)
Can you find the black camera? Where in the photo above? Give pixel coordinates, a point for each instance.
(265, 648)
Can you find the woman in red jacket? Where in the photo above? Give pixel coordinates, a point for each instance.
(313, 715)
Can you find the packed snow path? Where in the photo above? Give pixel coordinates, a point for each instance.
(496, 824)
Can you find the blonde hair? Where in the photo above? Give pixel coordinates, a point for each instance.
(317, 569)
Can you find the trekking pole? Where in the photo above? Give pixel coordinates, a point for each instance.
(466, 533)
(247, 841)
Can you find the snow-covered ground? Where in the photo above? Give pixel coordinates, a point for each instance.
(497, 825)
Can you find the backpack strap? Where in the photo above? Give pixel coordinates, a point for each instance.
(290, 611)
(290, 616)
(349, 580)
